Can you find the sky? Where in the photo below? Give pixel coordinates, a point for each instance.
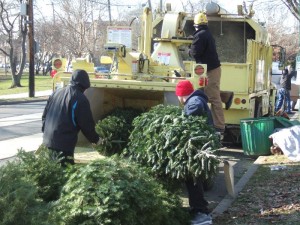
(229, 5)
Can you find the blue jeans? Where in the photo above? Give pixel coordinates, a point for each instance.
(283, 96)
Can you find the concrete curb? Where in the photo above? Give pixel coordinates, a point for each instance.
(24, 98)
(228, 199)
(19, 101)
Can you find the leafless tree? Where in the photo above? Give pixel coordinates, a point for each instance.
(77, 29)
(194, 7)
(275, 6)
(282, 33)
(48, 36)
(13, 30)
(83, 25)
(293, 6)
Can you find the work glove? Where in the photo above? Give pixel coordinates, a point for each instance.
(100, 142)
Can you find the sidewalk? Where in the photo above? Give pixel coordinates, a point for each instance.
(9, 148)
(24, 97)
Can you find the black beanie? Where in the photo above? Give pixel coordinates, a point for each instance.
(81, 79)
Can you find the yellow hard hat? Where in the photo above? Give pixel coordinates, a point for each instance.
(200, 18)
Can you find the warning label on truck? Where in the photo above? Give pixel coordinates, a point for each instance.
(120, 34)
(164, 58)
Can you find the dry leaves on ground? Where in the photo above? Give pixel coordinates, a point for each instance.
(270, 197)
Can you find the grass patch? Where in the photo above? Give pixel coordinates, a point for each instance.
(270, 197)
(41, 83)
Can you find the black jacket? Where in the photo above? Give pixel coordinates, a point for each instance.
(66, 113)
(286, 79)
(203, 48)
(196, 105)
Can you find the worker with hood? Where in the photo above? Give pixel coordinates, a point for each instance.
(66, 113)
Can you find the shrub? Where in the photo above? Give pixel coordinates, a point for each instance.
(29, 186)
(19, 199)
(45, 170)
(114, 192)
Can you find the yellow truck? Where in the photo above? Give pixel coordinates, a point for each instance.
(148, 76)
(246, 58)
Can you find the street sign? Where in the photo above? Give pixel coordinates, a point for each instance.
(298, 80)
(298, 62)
(298, 68)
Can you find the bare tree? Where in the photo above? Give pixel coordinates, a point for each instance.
(194, 6)
(293, 6)
(83, 26)
(13, 29)
(281, 33)
(48, 37)
(275, 6)
(280, 36)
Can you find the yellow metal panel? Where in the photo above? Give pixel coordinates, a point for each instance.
(233, 116)
(166, 53)
(83, 65)
(235, 77)
(170, 25)
(244, 101)
(105, 60)
(133, 84)
(260, 57)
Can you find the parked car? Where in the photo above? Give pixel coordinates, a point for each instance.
(101, 69)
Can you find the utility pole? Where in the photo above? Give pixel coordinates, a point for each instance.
(31, 48)
(297, 67)
(109, 11)
(53, 12)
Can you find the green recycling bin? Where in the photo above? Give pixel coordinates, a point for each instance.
(255, 134)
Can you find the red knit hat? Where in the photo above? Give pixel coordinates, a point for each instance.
(184, 88)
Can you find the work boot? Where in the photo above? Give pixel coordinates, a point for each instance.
(227, 97)
(220, 133)
(202, 219)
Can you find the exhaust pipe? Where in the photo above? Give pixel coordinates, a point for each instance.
(213, 8)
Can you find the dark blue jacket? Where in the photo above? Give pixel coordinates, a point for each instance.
(203, 48)
(196, 105)
(66, 113)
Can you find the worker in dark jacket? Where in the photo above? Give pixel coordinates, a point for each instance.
(67, 112)
(284, 91)
(195, 104)
(203, 50)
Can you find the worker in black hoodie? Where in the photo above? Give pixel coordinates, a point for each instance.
(284, 91)
(67, 112)
(203, 50)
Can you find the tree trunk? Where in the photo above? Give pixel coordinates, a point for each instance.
(17, 74)
(16, 81)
